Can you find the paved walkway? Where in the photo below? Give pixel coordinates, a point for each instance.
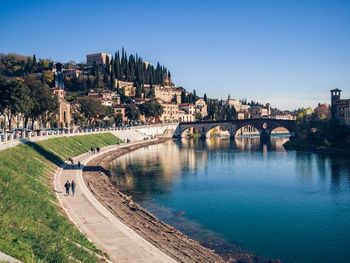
(106, 231)
(7, 258)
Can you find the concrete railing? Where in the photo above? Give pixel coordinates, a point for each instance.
(42, 135)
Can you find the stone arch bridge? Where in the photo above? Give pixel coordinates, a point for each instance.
(264, 126)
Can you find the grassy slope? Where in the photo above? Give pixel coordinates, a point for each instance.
(32, 226)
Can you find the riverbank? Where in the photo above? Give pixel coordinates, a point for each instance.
(166, 238)
(340, 151)
(34, 227)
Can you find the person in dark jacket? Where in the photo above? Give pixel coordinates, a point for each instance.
(67, 186)
(73, 187)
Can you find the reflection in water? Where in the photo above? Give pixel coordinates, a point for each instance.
(245, 192)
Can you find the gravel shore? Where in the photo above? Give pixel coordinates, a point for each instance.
(168, 239)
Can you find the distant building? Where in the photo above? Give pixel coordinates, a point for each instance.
(170, 111)
(340, 108)
(188, 108)
(120, 109)
(129, 91)
(284, 116)
(71, 73)
(185, 117)
(167, 93)
(99, 58)
(259, 112)
(107, 103)
(201, 106)
(64, 114)
(243, 115)
(233, 103)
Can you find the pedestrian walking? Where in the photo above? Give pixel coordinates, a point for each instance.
(79, 164)
(67, 186)
(73, 187)
(98, 149)
(92, 149)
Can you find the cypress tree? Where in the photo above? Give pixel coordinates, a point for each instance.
(183, 97)
(112, 81)
(107, 66)
(205, 97)
(34, 60)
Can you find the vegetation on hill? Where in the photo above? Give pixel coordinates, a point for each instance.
(33, 226)
(316, 130)
(29, 97)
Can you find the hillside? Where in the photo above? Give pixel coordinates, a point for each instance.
(33, 226)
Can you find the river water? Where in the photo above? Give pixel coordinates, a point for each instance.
(242, 193)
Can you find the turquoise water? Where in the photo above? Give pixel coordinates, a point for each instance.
(241, 193)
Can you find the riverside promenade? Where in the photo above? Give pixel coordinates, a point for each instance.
(106, 231)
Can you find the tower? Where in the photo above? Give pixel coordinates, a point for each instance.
(268, 106)
(335, 97)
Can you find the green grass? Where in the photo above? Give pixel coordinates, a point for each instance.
(32, 226)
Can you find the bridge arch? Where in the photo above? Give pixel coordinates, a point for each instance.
(266, 126)
(186, 132)
(224, 127)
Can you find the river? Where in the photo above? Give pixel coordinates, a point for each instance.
(245, 194)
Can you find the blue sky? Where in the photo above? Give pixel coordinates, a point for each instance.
(288, 53)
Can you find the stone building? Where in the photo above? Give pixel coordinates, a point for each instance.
(340, 107)
(201, 106)
(170, 111)
(99, 58)
(167, 93)
(64, 117)
(74, 73)
(188, 107)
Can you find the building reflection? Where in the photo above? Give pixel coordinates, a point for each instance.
(154, 169)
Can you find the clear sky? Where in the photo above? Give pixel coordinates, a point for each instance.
(288, 53)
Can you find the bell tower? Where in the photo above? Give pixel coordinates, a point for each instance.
(335, 97)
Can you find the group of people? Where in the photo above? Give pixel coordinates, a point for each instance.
(68, 186)
(71, 185)
(93, 150)
(72, 162)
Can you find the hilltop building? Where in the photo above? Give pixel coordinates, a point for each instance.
(168, 93)
(99, 58)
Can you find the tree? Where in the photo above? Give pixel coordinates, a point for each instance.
(183, 96)
(174, 99)
(91, 108)
(43, 103)
(14, 96)
(138, 91)
(199, 116)
(96, 73)
(118, 119)
(151, 110)
(322, 112)
(132, 112)
(205, 97)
